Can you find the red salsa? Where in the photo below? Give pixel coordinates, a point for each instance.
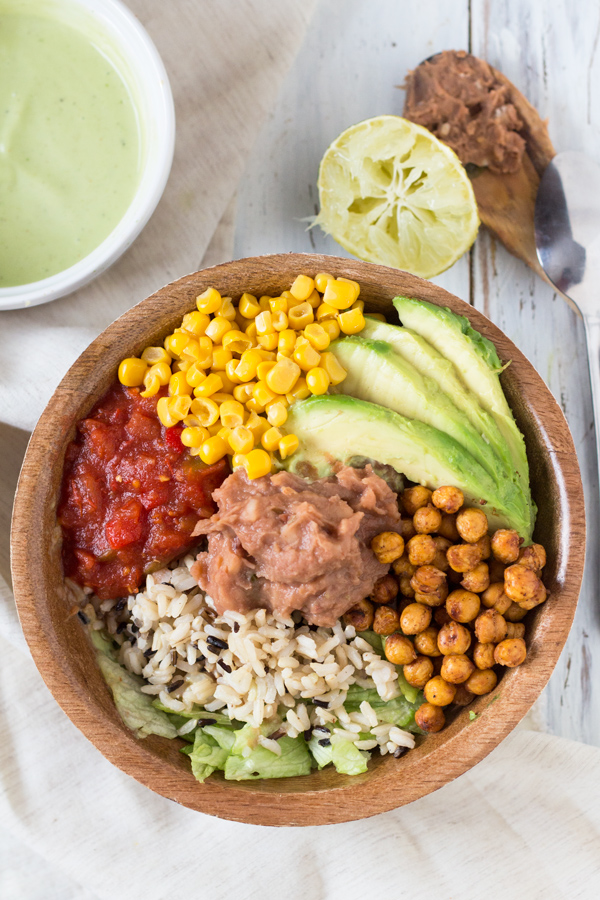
(131, 494)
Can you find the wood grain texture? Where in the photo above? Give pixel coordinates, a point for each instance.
(66, 660)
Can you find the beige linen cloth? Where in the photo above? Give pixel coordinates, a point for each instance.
(524, 823)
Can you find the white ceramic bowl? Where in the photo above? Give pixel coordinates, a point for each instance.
(119, 34)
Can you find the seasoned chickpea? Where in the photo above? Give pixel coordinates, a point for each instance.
(360, 616)
(514, 613)
(505, 545)
(447, 498)
(399, 650)
(427, 579)
(533, 557)
(414, 498)
(427, 520)
(477, 579)
(495, 598)
(419, 672)
(448, 528)
(403, 566)
(406, 529)
(482, 681)
(421, 550)
(541, 596)
(463, 557)
(484, 545)
(483, 655)
(415, 618)
(490, 627)
(426, 642)
(462, 605)
(471, 524)
(438, 692)
(511, 652)
(386, 620)
(405, 588)
(456, 668)
(387, 546)
(454, 639)
(430, 718)
(521, 584)
(440, 560)
(515, 630)
(441, 617)
(496, 570)
(463, 696)
(385, 590)
(433, 598)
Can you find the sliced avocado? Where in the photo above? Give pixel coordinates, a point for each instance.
(478, 365)
(334, 428)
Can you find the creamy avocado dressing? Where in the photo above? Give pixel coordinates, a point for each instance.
(69, 143)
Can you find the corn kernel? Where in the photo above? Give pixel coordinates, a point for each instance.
(263, 394)
(238, 460)
(214, 428)
(243, 392)
(317, 336)
(218, 328)
(314, 299)
(288, 445)
(227, 310)
(178, 385)
(241, 440)
(257, 463)
(333, 367)
(265, 303)
(205, 410)
(195, 375)
(194, 436)
(276, 413)
(221, 396)
(154, 355)
(224, 433)
(305, 355)
(241, 321)
(278, 304)
(221, 356)
(300, 316)
(300, 391)
(181, 365)
(283, 376)
(302, 287)
(192, 350)
(132, 372)
(264, 324)
(254, 406)
(257, 425)
(228, 384)
(191, 421)
(321, 280)
(237, 341)
(325, 311)
(268, 341)
(200, 350)
(175, 343)
(171, 410)
(232, 413)
(213, 449)
(231, 371)
(251, 330)
(317, 381)
(270, 439)
(352, 321)
(339, 294)
(264, 368)
(286, 342)
(249, 306)
(211, 384)
(358, 304)
(331, 327)
(208, 302)
(279, 320)
(195, 323)
(162, 371)
(354, 284)
(246, 367)
(379, 316)
(267, 355)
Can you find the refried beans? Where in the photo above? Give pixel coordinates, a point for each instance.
(285, 544)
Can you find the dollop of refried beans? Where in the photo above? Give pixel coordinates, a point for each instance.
(284, 544)
(460, 99)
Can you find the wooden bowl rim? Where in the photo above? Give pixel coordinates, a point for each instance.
(392, 783)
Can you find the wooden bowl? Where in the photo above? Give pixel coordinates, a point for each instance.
(64, 655)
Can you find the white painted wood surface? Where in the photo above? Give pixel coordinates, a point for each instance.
(355, 54)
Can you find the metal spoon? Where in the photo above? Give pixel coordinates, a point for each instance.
(567, 239)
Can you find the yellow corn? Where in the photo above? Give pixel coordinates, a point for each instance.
(200, 350)
(224, 433)
(270, 439)
(339, 294)
(191, 421)
(237, 341)
(175, 343)
(278, 304)
(305, 355)
(162, 371)
(257, 463)
(243, 392)
(352, 321)
(263, 394)
(321, 280)
(263, 369)
(325, 311)
(317, 381)
(241, 321)
(195, 375)
(232, 413)
(194, 436)
(379, 316)
(221, 396)
(279, 320)
(317, 336)
(264, 323)
(288, 445)
(276, 413)
(267, 355)
(331, 327)
(315, 299)
(132, 371)
(211, 385)
(283, 376)
(231, 371)
(300, 391)
(205, 410)
(171, 410)
(257, 425)
(241, 440)
(227, 310)
(249, 306)
(221, 356)
(286, 342)
(154, 355)
(249, 362)
(264, 302)
(218, 328)
(333, 367)
(192, 350)
(215, 428)
(300, 316)
(254, 406)
(181, 365)
(358, 304)
(209, 302)
(250, 330)
(268, 341)
(228, 384)
(354, 284)
(302, 287)
(213, 449)
(238, 460)
(195, 323)
(178, 385)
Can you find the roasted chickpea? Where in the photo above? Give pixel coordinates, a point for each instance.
(387, 546)
(399, 650)
(438, 692)
(540, 597)
(514, 613)
(360, 616)
(427, 520)
(494, 598)
(405, 588)
(447, 498)
(521, 584)
(430, 718)
(462, 605)
(421, 550)
(477, 579)
(415, 618)
(426, 642)
(448, 529)
(490, 627)
(427, 579)
(482, 681)
(511, 652)
(471, 524)
(385, 590)
(414, 498)
(440, 560)
(454, 639)
(533, 557)
(386, 620)
(515, 630)
(463, 557)
(419, 672)
(456, 668)
(483, 655)
(433, 598)
(441, 617)
(406, 529)
(463, 696)
(505, 545)
(403, 566)
(484, 545)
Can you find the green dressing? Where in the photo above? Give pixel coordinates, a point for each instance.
(69, 143)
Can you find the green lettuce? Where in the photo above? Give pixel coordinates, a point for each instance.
(263, 763)
(347, 758)
(206, 755)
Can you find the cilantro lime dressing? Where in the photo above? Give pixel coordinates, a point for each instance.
(69, 143)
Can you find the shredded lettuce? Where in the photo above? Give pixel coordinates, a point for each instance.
(322, 755)
(348, 759)
(263, 763)
(206, 755)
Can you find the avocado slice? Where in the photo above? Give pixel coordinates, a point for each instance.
(335, 427)
(479, 367)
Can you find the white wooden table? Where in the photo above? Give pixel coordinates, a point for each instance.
(355, 55)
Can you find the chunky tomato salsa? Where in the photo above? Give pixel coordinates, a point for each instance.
(131, 495)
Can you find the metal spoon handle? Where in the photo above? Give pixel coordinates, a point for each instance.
(592, 334)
